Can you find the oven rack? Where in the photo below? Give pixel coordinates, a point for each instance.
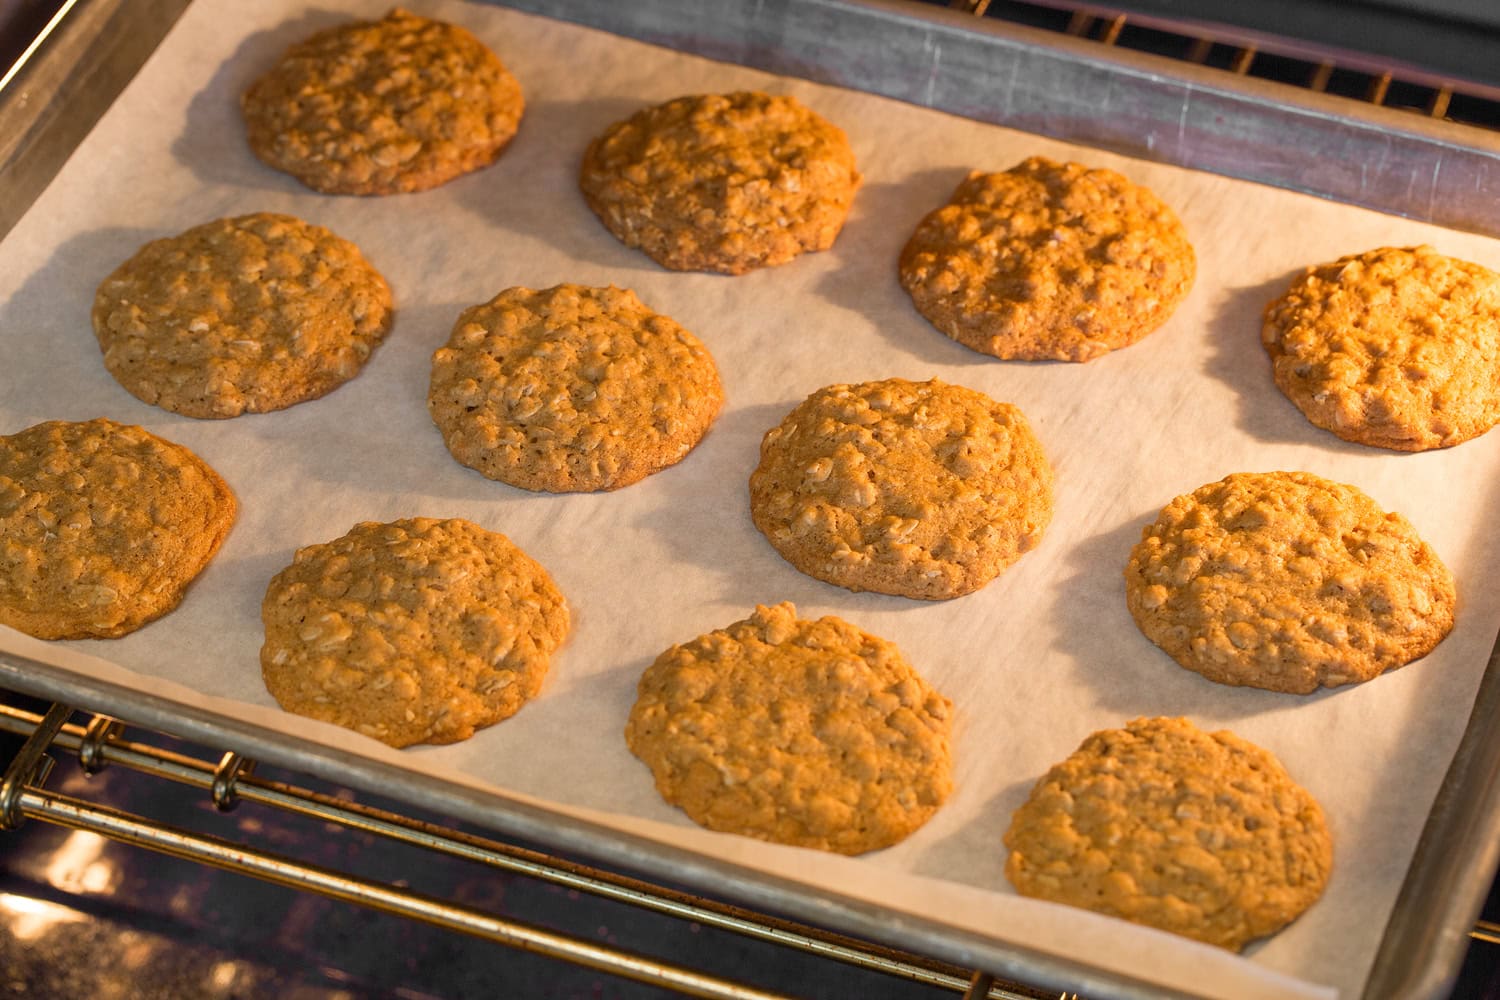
(97, 741)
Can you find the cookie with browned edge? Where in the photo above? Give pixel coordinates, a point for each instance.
(810, 733)
(1287, 581)
(415, 631)
(102, 527)
(1048, 261)
(722, 182)
(1397, 347)
(1160, 823)
(405, 103)
(920, 489)
(241, 315)
(571, 388)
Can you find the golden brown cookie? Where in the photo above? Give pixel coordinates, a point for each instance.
(1048, 261)
(380, 107)
(1396, 348)
(571, 388)
(240, 315)
(102, 527)
(1289, 582)
(1201, 834)
(724, 183)
(416, 631)
(919, 489)
(810, 733)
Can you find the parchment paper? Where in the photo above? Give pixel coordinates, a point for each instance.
(1035, 661)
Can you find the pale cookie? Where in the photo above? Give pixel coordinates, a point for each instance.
(571, 388)
(1048, 261)
(1396, 348)
(241, 315)
(1201, 834)
(810, 733)
(102, 527)
(380, 107)
(919, 489)
(1288, 582)
(723, 183)
(416, 631)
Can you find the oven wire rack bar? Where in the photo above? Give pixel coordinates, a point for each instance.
(231, 780)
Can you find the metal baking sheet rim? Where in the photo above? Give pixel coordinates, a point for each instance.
(1427, 170)
(1398, 162)
(1421, 948)
(571, 834)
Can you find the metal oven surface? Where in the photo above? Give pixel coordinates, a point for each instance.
(1052, 88)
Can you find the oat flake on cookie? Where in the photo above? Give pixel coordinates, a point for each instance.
(241, 315)
(1395, 348)
(1289, 582)
(1202, 834)
(1048, 261)
(810, 733)
(102, 527)
(919, 489)
(571, 388)
(722, 182)
(420, 630)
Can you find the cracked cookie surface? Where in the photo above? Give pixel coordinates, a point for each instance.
(920, 489)
(810, 733)
(1288, 582)
(722, 182)
(1397, 348)
(571, 388)
(1048, 261)
(414, 631)
(1160, 823)
(241, 315)
(405, 103)
(102, 527)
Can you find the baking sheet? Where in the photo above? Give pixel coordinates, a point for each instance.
(1034, 662)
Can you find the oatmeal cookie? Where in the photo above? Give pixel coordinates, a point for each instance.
(723, 183)
(571, 388)
(416, 631)
(1288, 582)
(1201, 834)
(102, 527)
(1396, 348)
(810, 733)
(380, 107)
(240, 315)
(1048, 261)
(919, 489)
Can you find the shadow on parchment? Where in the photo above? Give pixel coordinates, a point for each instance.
(974, 854)
(51, 359)
(1240, 362)
(212, 144)
(707, 522)
(1129, 675)
(868, 251)
(532, 190)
